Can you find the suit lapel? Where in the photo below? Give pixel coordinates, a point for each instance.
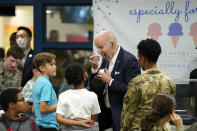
(104, 64)
(117, 63)
(30, 54)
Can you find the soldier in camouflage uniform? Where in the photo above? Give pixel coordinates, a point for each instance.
(142, 89)
(9, 74)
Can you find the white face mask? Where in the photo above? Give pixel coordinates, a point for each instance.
(22, 43)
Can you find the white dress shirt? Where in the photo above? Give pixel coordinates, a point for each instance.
(110, 68)
(25, 57)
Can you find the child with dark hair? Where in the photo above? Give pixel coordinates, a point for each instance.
(13, 104)
(163, 110)
(28, 90)
(77, 108)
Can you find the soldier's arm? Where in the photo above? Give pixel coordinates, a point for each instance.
(130, 106)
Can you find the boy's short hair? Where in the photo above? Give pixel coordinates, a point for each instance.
(29, 33)
(15, 52)
(7, 96)
(150, 49)
(42, 58)
(74, 74)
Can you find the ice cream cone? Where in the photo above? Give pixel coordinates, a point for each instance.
(155, 37)
(194, 37)
(175, 40)
(154, 31)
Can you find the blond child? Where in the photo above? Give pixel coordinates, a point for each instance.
(44, 97)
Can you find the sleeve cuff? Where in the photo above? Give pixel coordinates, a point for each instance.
(111, 82)
(94, 71)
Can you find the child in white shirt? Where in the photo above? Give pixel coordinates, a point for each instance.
(77, 108)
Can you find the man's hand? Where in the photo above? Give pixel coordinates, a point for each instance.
(104, 76)
(94, 60)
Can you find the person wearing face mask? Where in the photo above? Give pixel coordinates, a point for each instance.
(23, 40)
(77, 108)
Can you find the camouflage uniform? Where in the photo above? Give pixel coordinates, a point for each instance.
(138, 99)
(157, 127)
(166, 127)
(9, 79)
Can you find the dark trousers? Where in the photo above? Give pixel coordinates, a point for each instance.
(47, 129)
(105, 119)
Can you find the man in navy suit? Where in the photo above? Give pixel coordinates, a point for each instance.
(23, 40)
(111, 85)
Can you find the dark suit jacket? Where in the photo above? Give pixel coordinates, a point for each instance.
(27, 70)
(126, 68)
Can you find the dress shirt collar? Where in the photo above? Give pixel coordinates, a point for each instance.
(152, 71)
(27, 52)
(113, 60)
(25, 57)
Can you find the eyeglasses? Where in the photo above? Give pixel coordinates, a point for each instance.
(21, 35)
(21, 100)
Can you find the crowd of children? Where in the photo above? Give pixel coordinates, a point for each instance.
(35, 107)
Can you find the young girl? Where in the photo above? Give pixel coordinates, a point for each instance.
(163, 110)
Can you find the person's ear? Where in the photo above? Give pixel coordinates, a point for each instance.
(34, 71)
(112, 44)
(29, 39)
(11, 105)
(41, 68)
(173, 110)
(85, 76)
(142, 59)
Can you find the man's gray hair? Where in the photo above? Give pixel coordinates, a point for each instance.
(107, 35)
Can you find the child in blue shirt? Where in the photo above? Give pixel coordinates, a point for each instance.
(44, 97)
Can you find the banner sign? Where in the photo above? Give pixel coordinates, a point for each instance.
(173, 23)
